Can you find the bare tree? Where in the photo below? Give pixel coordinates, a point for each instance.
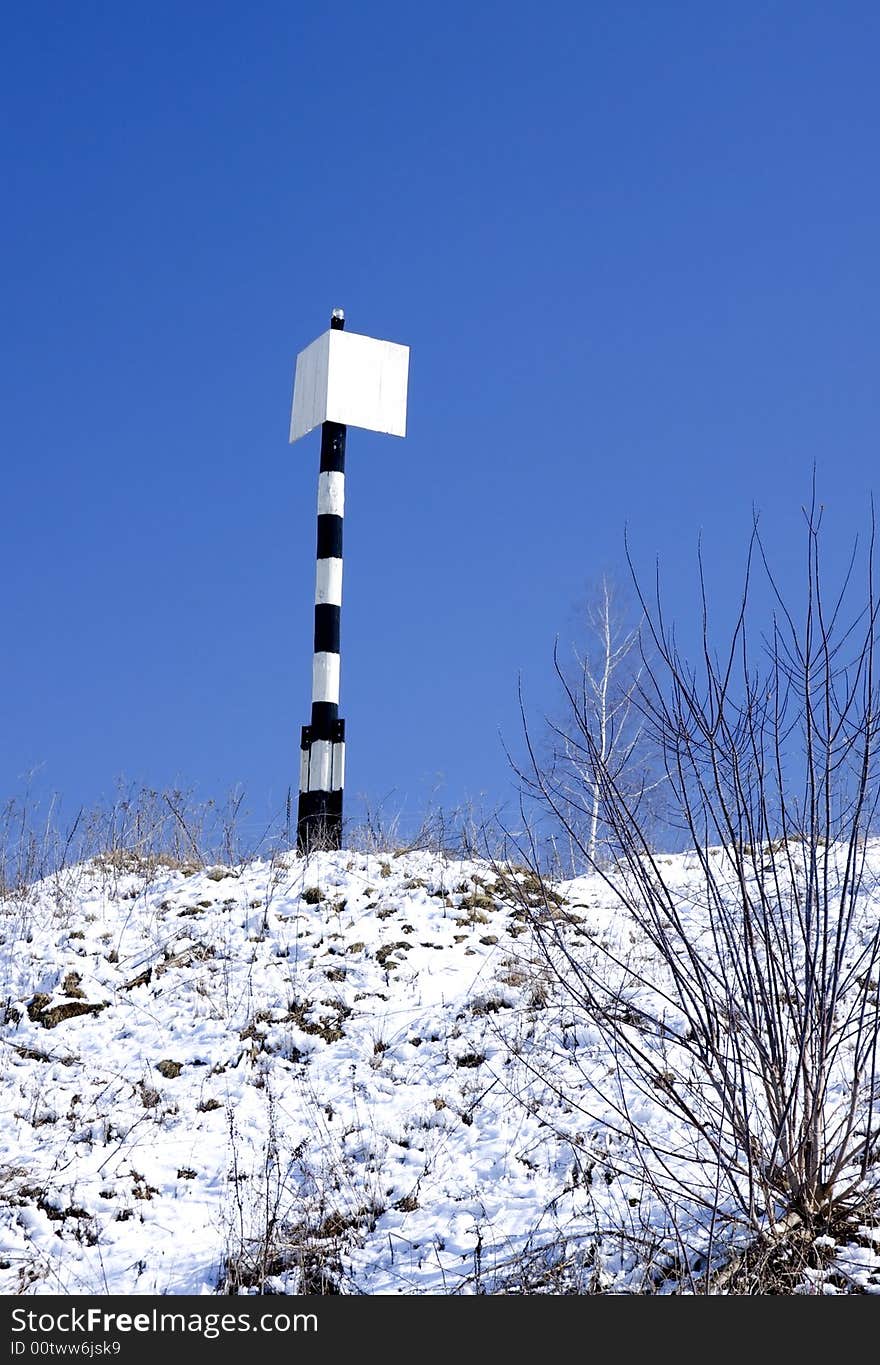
(741, 998)
(602, 728)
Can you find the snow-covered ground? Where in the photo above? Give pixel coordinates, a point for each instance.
(351, 1072)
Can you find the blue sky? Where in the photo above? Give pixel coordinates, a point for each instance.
(632, 246)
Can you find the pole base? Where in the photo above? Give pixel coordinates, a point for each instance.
(319, 821)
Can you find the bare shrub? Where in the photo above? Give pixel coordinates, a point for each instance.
(740, 998)
(290, 1224)
(141, 830)
(460, 832)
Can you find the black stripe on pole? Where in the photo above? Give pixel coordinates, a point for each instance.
(329, 536)
(324, 717)
(332, 448)
(326, 628)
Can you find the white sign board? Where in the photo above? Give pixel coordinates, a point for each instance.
(351, 379)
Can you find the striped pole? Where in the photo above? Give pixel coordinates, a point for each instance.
(322, 747)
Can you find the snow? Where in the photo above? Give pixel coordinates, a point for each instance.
(352, 1068)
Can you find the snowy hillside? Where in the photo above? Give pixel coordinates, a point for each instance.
(350, 1073)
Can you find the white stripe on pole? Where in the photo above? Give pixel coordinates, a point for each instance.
(319, 769)
(338, 781)
(325, 678)
(328, 582)
(331, 493)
